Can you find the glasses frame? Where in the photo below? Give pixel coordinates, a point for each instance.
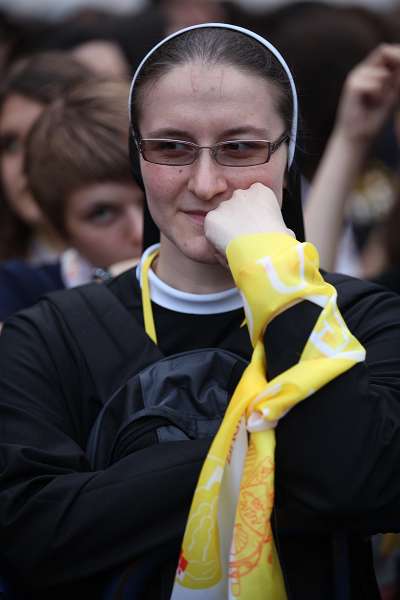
(272, 147)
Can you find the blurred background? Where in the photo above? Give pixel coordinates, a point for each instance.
(55, 10)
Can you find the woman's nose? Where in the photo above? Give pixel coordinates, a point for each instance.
(207, 178)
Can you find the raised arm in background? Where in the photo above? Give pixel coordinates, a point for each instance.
(370, 94)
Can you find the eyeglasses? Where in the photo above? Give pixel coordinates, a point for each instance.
(232, 153)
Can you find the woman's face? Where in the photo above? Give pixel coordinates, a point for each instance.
(17, 116)
(104, 222)
(206, 105)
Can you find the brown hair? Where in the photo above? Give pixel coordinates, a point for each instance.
(216, 46)
(41, 78)
(78, 140)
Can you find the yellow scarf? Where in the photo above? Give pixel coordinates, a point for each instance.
(228, 549)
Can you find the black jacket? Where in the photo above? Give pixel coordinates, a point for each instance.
(65, 528)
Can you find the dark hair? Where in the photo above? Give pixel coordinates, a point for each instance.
(391, 234)
(215, 46)
(134, 33)
(78, 140)
(321, 42)
(41, 78)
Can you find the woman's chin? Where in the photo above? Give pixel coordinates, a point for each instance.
(200, 250)
(189, 245)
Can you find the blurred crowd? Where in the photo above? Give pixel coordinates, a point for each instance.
(69, 208)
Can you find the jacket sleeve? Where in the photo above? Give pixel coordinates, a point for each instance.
(54, 510)
(338, 451)
(22, 284)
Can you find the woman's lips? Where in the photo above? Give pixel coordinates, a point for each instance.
(197, 216)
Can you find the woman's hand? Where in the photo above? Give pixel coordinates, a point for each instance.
(370, 94)
(255, 210)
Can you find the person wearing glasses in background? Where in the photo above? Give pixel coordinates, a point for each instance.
(269, 392)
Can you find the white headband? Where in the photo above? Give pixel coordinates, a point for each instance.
(264, 42)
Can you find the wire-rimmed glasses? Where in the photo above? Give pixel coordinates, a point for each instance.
(232, 153)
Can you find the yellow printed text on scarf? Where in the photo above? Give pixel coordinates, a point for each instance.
(228, 549)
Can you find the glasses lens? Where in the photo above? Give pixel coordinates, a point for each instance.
(243, 153)
(167, 152)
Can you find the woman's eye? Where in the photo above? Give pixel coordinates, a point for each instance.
(243, 152)
(10, 144)
(239, 147)
(173, 152)
(171, 147)
(102, 215)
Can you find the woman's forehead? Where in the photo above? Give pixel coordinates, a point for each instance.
(201, 92)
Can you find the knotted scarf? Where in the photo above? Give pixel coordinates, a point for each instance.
(228, 549)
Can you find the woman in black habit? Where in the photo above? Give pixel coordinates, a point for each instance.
(104, 430)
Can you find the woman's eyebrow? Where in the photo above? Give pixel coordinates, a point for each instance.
(183, 134)
(168, 132)
(261, 132)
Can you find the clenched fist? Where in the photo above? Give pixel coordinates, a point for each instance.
(255, 210)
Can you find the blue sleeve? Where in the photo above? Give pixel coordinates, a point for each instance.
(22, 284)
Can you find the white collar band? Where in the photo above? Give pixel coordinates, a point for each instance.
(261, 40)
(195, 304)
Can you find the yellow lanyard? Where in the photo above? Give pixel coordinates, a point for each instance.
(149, 325)
(148, 318)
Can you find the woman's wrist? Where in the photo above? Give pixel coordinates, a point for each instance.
(350, 148)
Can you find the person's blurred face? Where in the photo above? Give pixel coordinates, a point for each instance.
(104, 222)
(17, 116)
(102, 57)
(183, 13)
